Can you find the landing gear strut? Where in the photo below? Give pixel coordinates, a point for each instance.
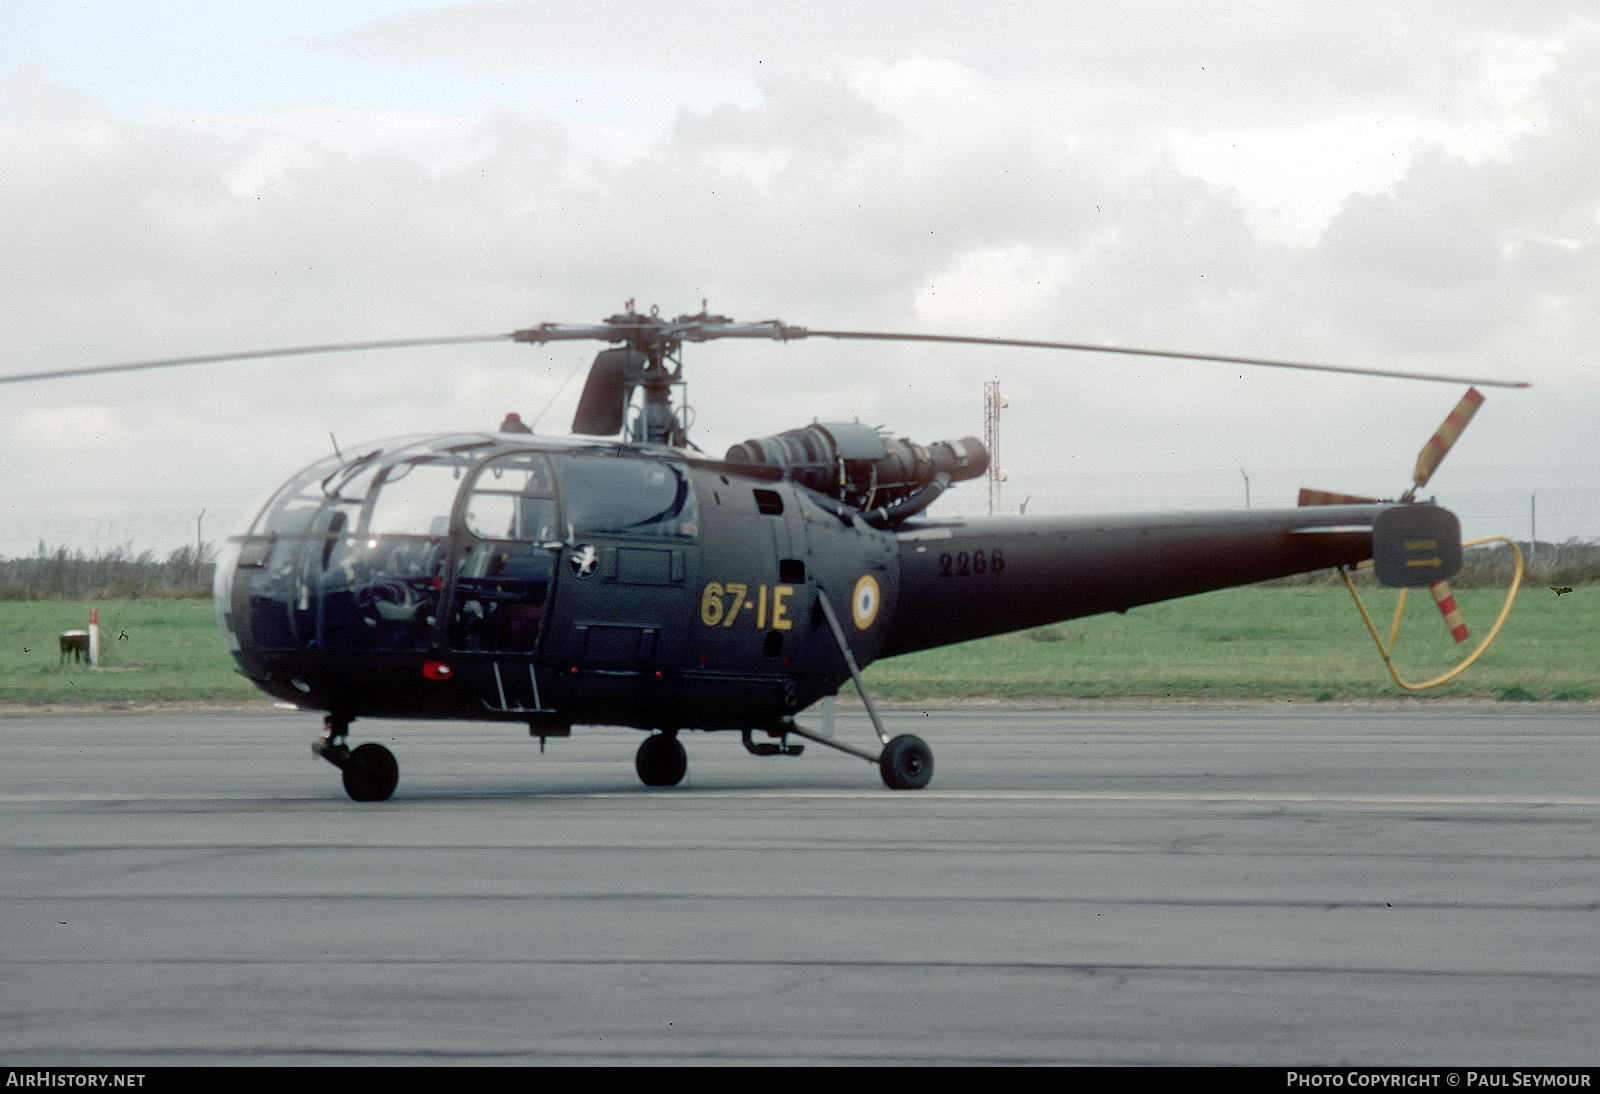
(370, 771)
(661, 760)
(906, 762)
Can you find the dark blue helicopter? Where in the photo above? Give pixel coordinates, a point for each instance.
(589, 581)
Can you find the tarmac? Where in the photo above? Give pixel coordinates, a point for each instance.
(1258, 884)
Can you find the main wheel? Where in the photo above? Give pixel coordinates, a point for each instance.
(906, 763)
(661, 760)
(371, 773)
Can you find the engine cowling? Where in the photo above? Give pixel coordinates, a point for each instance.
(887, 478)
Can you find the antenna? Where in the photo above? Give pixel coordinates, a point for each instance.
(993, 404)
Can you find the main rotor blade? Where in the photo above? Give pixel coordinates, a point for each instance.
(802, 332)
(251, 355)
(642, 331)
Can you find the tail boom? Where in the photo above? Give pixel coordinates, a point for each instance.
(964, 579)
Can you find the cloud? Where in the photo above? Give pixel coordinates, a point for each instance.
(1073, 183)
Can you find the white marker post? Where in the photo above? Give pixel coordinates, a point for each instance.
(94, 638)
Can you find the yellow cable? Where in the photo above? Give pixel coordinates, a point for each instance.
(1394, 631)
(1399, 607)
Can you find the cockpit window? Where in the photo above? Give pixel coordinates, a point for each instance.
(292, 509)
(351, 482)
(414, 498)
(512, 499)
(329, 495)
(627, 495)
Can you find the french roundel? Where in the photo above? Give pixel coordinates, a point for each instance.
(864, 602)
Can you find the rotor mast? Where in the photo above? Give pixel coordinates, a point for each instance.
(655, 364)
(660, 370)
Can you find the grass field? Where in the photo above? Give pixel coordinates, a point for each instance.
(1241, 643)
(150, 651)
(1264, 642)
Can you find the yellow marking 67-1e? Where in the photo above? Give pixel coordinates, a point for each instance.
(722, 604)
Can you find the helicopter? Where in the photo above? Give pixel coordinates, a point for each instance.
(621, 576)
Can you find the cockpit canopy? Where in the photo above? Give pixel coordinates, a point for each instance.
(450, 541)
(411, 486)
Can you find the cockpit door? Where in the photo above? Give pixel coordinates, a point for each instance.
(623, 582)
(504, 558)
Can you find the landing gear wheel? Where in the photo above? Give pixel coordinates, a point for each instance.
(661, 760)
(371, 773)
(906, 763)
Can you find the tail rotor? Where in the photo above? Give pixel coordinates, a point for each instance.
(1428, 461)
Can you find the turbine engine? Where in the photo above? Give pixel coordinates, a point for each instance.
(888, 479)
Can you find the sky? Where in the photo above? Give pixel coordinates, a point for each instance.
(1405, 184)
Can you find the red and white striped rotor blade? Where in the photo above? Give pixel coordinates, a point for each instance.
(1446, 599)
(1444, 439)
(1331, 497)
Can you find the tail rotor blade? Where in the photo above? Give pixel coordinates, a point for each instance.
(1444, 439)
(1445, 597)
(1330, 497)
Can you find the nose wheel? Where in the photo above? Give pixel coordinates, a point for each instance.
(661, 760)
(370, 771)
